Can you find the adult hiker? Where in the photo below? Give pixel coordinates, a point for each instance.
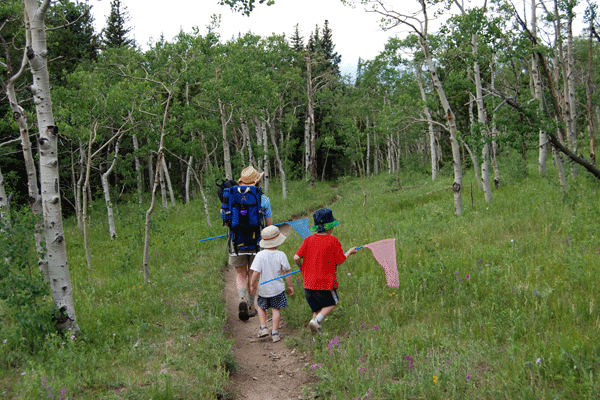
(242, 251)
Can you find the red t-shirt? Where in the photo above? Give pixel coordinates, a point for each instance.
(321, 254)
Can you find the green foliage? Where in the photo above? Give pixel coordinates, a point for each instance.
(116, 32)
(25, 303)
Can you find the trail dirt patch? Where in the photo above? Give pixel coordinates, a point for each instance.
(265, 370)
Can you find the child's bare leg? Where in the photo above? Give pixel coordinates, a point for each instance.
(241, 280)
(276, 319)
(326, 310)
(262, 316)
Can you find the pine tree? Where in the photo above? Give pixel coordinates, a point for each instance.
(328, 49)
(116, 32)
(297, 40)
(74, 42)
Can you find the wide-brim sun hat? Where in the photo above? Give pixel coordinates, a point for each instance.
(324, 220)
(250, 176)
(271, 237)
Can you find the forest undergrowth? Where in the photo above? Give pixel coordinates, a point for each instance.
(498, 303)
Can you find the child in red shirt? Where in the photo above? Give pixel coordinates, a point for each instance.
(318, 257)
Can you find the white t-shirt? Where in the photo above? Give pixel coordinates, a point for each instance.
(270, 264)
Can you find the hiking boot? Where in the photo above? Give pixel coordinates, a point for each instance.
(243, 308)
(276, 337)
(315, 326)
(263, 331)
(252, 311)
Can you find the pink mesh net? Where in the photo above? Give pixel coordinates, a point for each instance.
(384, 252)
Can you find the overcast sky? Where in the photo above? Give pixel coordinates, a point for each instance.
(355, 32)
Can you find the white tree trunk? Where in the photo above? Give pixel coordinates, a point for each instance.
(138, 168)
(35, 198)
(226, 153)
(188, 175)
(58, 269)
(538, 93)
(481, 118)
(150, 169)
(265, 162)
(159, 160)
(432, 148)
(167, 177)
(105, 187)
(78, 187)
(457, 186)
(279, 161)
(161, 179)
(4, 206)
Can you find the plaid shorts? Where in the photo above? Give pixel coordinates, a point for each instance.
(278, 301)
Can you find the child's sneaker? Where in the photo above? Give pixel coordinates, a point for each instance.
(276, 337)
(263, 331)
(243, 308)
(314, 326)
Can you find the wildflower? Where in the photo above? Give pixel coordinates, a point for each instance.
(479, 261)
(349, 274)
(435, 379)
(535, 292)
(196, 317)
(467, 277)
(361, 370)
(114, 334)
(410, 362)
(362, 325)
(468, 377)
(140, 286)
(72, 337)
(333, 343)
(4, 341)
(375, 328)
(539, 361)
(23, 373)
(315, 366)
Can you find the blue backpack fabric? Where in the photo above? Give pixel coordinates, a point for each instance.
(241, 211)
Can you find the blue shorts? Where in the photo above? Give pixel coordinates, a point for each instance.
(318, 299)
(278, 301)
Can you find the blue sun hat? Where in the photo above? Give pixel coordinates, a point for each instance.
(324, 220)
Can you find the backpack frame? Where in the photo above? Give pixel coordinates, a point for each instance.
(241, 211)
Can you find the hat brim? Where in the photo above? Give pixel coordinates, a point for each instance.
(270, 243)
(324, 227)
(251, 183)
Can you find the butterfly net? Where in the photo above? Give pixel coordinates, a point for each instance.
(384, 252)
(300, 226)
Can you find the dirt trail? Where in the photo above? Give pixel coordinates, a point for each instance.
(265, 370)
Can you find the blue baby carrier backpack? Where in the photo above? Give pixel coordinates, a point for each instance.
(241, 211)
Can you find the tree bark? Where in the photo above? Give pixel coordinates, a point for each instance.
(279, 161)
(4, 206)
(432, 149)
(105, 187)
(138, 168)
(58, 269)
(226, 153)
(539, 95)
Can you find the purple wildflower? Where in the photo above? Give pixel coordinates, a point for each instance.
(467, 277)
(315, 366)
(468, 377)
(375, 328)
(333, 343)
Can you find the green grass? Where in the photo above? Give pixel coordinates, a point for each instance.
(525, 323)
